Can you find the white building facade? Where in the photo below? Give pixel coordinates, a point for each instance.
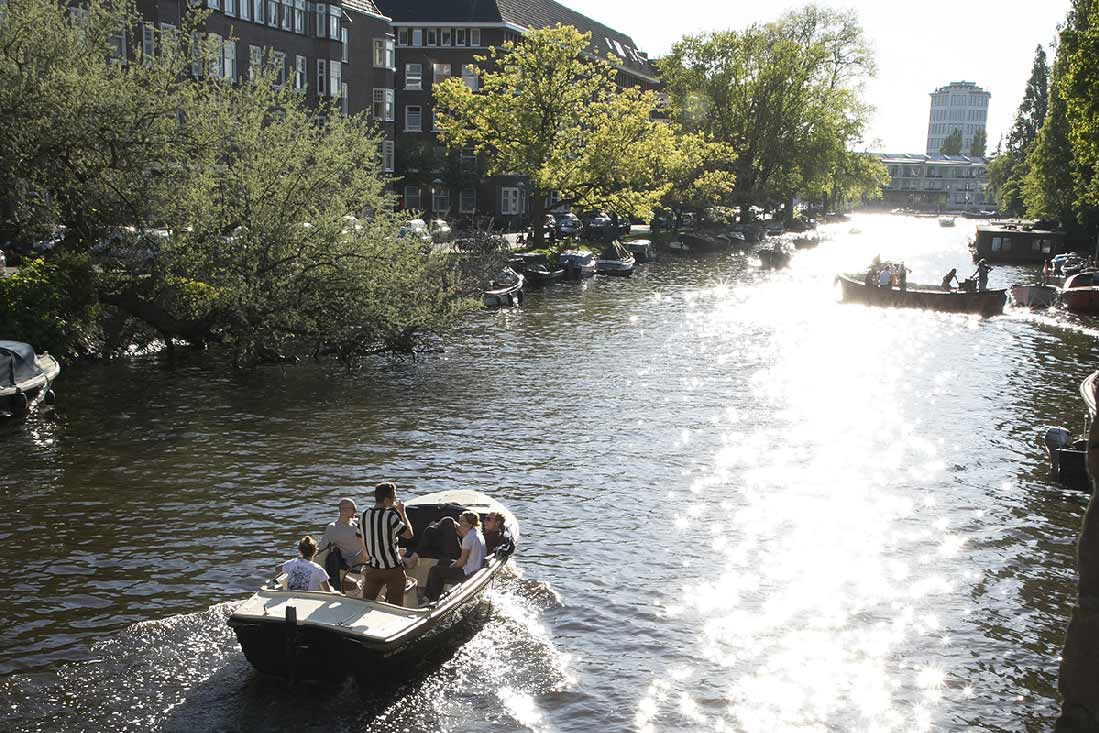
(936, 182)
(960, 105)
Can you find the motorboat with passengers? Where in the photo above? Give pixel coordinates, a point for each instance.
(328, 636)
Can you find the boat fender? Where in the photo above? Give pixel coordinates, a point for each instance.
(51, 397)
(20, 405)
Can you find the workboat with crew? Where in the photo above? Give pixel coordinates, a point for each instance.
(886, 285)
(25, 378)
(303, 634)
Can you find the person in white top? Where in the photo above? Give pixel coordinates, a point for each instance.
(885, 278)
(304, 574)
(469, 562)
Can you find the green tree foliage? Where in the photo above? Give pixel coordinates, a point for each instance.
(1080, 88)
(548, 110)
(1012, 166)
(1043, 184)
(978, 144)
(230, 208)
(51, 304)
(784, 95)
(952, 143)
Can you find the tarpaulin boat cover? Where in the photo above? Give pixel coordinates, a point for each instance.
(17, 363)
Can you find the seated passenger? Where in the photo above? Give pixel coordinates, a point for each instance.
(304, 574)
(469, 562)
(496, 533)
(439, 540)
(344, 541)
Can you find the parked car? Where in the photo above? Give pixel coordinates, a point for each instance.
(600, 226)
(621, 224)
(440, 231)
(569, 225)
(415, 229)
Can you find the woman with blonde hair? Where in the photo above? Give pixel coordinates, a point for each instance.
(469, 562)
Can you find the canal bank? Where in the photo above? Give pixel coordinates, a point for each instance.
(860, 528)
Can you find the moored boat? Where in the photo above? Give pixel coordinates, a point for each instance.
(543, 274)
(643, 250)
(25, 378)
(700, 242)
(615, 260)
(1081, 293)
(576, 264)
(1068, 455)
(774, 258)
(505, 291)
(1033, 296)
(946, 221)
(929, 297)
(327, 636)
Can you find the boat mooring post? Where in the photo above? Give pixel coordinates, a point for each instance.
(1078, 677)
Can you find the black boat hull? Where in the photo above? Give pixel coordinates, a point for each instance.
(980, 302)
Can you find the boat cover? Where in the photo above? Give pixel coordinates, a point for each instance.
(17, 363)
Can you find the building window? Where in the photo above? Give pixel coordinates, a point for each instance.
(148, 41)
(417, 37)
(257, 10)
(509, 200)
(117, 42)
(213, 4)
(255, 58)
(459, 36)
(334, 15)
(231, 8)
(273, 13)
(279, 60)
(344, 45)
(229, 60)
(402, 36)
(287, 15)
(383, 105)
(387, 156)
(444, 37)
(335, 78)
(245, 9)
(470, 78)
(440, 73)
(413, 118)
(413, 76)
(343, 97)
(467, 201)
(299, 16)
(322, 77)
(322, 19)
(468, 158)
(385, 53)
(475, 36)
(440, 200)
(412, 197)
(432, 37)
(300, 70)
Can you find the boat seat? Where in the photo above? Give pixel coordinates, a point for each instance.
(410, 599)
(421, 570)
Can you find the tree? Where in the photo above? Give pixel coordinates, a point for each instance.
(952, 144)
(978, 144)
(549, 110)
(230, 208)
(1033, 108)
(784, 95)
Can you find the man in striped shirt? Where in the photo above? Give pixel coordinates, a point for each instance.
(381, 526)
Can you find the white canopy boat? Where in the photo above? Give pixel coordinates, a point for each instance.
(25, 378)
(319, 635)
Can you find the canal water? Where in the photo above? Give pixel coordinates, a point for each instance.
(745, 507)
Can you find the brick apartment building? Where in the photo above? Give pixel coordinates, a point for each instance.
(384, 57)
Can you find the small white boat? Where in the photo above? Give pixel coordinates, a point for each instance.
(615, 260)
(643, 250)
(505, 291)
(946, 221)
(25, 378)
(1033, 296)
(328, 636)
(576, 264)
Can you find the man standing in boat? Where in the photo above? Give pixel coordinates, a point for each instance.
(382, 525)
(983, 268)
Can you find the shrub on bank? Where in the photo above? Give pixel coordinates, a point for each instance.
(52, 305)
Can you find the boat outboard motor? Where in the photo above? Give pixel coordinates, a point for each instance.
(1056, 439)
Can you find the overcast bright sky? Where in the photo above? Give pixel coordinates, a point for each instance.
(919, 46)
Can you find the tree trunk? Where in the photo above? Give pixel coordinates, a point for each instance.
(788, 210)
(1078, 680)
(537, 214)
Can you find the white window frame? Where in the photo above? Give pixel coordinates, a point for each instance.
(255, 62)
(278, 58)
(148, 41)
(402, 36)
(470, 77)
(257, 10)
(417, 37)
(230, 8)
(408, 117)
(229, 60)
(440, 73)
(213, 4)
(273, 13)
(335, 78)
(418, 84)
(246, 9)
(509, 200)
(459, 36)
(335, 15)
(432, 37)
(301, 73)
(446, 37)
(321, 16)
(475, 37)
(388, 156)
(299, 16)
(463, 206)
(384, 106)
(408, 198)
(345, 48)
(322, 78)
(440, 195)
